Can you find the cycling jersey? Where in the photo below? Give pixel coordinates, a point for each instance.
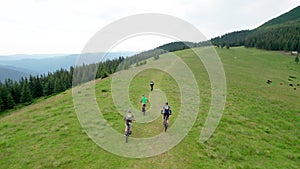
(129, 117)
(166, 109)
(144, 100)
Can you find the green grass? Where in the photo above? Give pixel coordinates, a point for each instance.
(259, 127)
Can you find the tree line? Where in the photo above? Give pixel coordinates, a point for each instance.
(285, 38)
(24, 91)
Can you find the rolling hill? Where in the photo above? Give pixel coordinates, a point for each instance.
(280, 33)
(13, 73)
(258, 129)
(290, 18)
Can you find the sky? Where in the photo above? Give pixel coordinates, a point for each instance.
(65, 26)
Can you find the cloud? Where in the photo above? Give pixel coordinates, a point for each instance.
(55, 26)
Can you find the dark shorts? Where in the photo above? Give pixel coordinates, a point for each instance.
(128, 122)
(143, 107)
(166, 114)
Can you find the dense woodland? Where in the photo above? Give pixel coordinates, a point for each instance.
(278, 38)
(24, 91)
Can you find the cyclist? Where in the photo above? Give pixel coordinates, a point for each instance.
(166, 110)
(144, 101)
(128, 118)
(151, 85)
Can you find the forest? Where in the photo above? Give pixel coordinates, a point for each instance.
(285, 38)
(24, 91)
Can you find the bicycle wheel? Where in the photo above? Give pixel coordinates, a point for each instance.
(144, 109)
(166, 126)
(127, 134)
(126, 140)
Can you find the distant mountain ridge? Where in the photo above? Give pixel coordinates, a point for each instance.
(16, 66)
(12, 73)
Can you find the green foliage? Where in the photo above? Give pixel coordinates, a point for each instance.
(181, 45)
(10, 103)
(156, 56)
(26, 95)
(297, 59)
(1, 105)
(231, 39)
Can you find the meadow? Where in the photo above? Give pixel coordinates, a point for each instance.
(259, 127)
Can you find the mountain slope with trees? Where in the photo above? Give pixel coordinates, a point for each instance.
(25, 90)
(280, 33)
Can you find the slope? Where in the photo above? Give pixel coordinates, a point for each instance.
(280, 33)
(291, 17)
(258, 128)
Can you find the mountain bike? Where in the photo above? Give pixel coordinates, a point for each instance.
(144, 109)
(151, 87)
(127, 133)
(165, 123)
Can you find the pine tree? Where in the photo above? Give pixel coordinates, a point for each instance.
(1, 100)
(16, 92)
(25, 93)
(1, 105)
(10, 103)
(297, 59)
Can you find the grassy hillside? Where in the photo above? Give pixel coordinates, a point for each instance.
(259, 127)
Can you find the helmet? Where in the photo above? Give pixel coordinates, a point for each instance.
(129, 111)
(166, 103)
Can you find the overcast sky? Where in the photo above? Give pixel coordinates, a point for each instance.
(64, 26)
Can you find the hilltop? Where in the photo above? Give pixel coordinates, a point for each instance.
(280, 33)
(290, 18)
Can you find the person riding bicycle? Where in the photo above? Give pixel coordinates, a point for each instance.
(151, 85)
(144, 101)
(128, 118)
(166, 110)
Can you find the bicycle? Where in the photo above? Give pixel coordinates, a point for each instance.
(165, 124)
(144, 109)
(127, 134)
(151, 85)
(166, 116)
